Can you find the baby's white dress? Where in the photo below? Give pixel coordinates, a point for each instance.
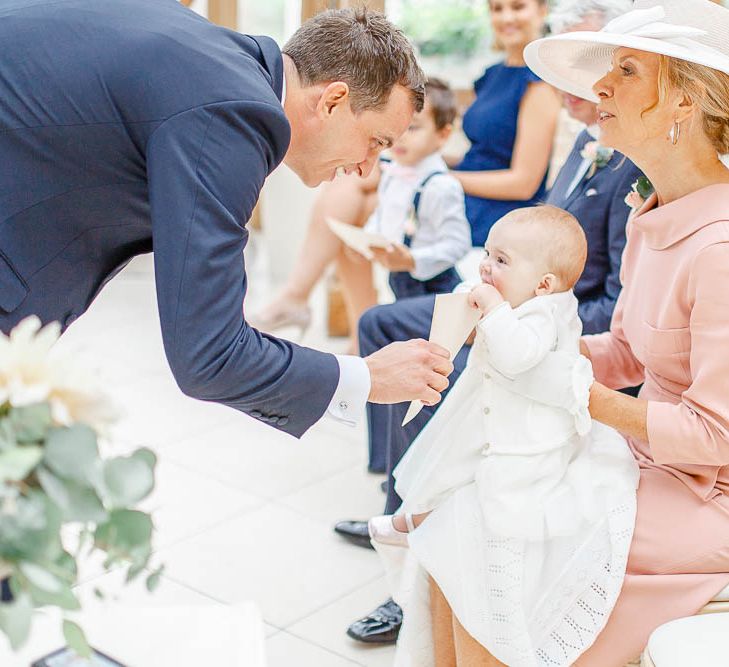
(533, 504)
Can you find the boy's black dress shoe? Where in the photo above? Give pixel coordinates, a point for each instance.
(380, 626)
(354, 531)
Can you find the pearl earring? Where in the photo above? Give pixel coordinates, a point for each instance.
(675, 134)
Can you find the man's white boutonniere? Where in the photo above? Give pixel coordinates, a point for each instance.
(600, 156)
(641, 190)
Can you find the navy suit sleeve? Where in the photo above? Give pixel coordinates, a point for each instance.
(206, 167)
(597, 313)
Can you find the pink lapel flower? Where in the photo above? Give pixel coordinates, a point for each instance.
(634, 200)
(641, 190)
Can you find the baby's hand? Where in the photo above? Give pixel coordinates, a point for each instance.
(484, 297)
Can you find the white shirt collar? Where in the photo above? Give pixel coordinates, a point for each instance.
(283, 88)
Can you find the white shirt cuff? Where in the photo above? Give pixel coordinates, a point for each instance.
(353, 389)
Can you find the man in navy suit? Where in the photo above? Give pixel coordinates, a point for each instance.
(594, 193)
(128, 125)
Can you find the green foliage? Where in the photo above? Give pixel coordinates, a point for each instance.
(51, 476)
(644, 187)
(30, 422)
(15, 619)
(17, 462)
(76, 639)
(456, 27)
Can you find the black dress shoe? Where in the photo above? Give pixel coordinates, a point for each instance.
(354, 531)
(381, 626)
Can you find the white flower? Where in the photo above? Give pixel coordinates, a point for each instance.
(32, 372)
(24, 373)
(589, 152)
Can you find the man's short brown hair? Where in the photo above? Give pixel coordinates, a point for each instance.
(442, 102)
(361, 48)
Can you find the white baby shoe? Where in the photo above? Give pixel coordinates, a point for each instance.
(383, 531)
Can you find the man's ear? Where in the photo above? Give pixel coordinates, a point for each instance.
(334, 96)
(547, 284)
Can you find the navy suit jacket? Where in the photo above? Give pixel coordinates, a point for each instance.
(128, 125)
(598, 204)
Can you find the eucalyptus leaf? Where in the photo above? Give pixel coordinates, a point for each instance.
(127, 480)
(32, 530)
(30, 422)
(73, 453)
(41, 578)
(76, 639)
(15, 619)
(127, 533)
(17, 463)
(153, 580)
(65, 598)
(65, 566)
(147, 455)
(135, 569)
(77, 503)
(7, 434)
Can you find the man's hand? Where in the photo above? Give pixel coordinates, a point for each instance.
(485, 297)
(406, 371)
(396, 257)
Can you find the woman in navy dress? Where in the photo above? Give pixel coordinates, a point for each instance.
(511, 126)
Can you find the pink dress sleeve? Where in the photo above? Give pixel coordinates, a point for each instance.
(612, 359)
(696, 430)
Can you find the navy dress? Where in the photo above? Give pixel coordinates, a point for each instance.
(490, 125)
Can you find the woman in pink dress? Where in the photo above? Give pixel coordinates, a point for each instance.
(664, 103)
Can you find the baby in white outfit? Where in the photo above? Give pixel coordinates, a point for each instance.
(504, 494)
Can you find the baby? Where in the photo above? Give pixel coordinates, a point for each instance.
(530, 253)
(520, 509)
(420, 206)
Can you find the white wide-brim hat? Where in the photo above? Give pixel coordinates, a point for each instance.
(693, 30)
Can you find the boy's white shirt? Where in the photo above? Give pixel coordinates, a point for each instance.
(443, 234)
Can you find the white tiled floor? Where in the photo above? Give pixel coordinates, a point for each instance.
(243, 512)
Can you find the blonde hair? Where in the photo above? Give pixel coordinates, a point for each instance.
(559, 239)
(707, 88)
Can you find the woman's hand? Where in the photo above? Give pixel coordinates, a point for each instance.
(624, 413)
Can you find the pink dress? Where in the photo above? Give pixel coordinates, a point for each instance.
(670, 330)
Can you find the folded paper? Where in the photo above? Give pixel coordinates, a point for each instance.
(453, 321)
(357, 238)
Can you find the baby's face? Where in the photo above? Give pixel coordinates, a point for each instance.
(512, 263)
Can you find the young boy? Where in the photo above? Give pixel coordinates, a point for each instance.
(420, 206)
